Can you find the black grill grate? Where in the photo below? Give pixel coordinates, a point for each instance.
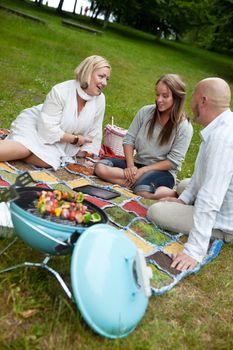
(28, 201)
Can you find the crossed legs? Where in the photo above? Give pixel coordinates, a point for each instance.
(152, 185)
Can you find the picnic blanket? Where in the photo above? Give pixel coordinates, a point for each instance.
(126, 212)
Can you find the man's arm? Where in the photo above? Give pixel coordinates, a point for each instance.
(215, 174)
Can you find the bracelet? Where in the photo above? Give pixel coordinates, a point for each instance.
(76, 139)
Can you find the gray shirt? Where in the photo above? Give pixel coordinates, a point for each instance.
(148, 150)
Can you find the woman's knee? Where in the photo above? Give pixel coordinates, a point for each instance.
(13, 150)
(144, 194)
(100, 169)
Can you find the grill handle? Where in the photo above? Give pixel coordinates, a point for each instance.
(69, 242)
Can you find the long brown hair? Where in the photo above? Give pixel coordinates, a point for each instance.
(177, 87)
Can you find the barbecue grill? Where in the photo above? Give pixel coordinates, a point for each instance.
(109, 276)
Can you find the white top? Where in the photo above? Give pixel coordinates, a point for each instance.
(211, 186)
(149, 151)
(41, 127)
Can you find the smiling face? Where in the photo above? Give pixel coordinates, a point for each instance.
(99, 81)
(164, 98)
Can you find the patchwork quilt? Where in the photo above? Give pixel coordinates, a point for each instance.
(127, 212)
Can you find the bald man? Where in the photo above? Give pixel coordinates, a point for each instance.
(204, 210)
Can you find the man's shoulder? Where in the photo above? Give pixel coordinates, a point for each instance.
(224, 128)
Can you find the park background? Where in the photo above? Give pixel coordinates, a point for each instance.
(197, 313)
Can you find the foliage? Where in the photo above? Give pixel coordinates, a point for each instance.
(223, 11)
(210, 22)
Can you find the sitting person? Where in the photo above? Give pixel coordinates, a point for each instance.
(67, 124)
(204, 210)
(160, 134)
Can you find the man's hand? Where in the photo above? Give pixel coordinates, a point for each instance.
(182, 262)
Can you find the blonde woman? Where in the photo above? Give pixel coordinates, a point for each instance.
(159, 136)
(67, 124)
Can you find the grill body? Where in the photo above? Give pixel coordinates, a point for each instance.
(41, 234)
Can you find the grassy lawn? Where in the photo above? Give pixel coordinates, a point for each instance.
(198, 313)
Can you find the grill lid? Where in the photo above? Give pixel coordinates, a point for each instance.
(105, 281)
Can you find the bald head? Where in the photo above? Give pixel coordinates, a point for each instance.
(216, 90)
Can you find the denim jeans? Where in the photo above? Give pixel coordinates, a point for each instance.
(148, 182)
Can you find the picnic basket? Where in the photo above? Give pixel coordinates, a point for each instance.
(113, 138)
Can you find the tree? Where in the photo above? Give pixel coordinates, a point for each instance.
(59, 8)
(39, 2)
(75, 3)
(223, 24)
(208, 23)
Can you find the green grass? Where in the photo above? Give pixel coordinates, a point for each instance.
(196, 314)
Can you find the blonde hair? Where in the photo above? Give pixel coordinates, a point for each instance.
(85, 69)
(177, 87)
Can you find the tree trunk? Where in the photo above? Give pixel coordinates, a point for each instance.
(39, 2)
(74, 10)
(59, 8)
(106, 18)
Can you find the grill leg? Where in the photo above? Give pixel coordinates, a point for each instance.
(42, 265)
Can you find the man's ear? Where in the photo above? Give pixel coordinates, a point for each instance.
(204, 100)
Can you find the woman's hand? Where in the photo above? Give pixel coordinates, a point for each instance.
(137, 176)
(129, 174)
(83, 139)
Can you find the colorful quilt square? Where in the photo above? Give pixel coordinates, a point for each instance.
(164, 262)
(159, 278)
(149, 232)
(65, 175)
(78, 182)
(99, 202)
(124, 191)
(6, 166)
(119, 216)
(173, 248)
(43, 176)
(146, 202)
(8, 176)
(62, 187)
(140, 243)
(80, 169)
(119, 200)
(4, 183)
(100, 182)
(136, 208)
(20, 165)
